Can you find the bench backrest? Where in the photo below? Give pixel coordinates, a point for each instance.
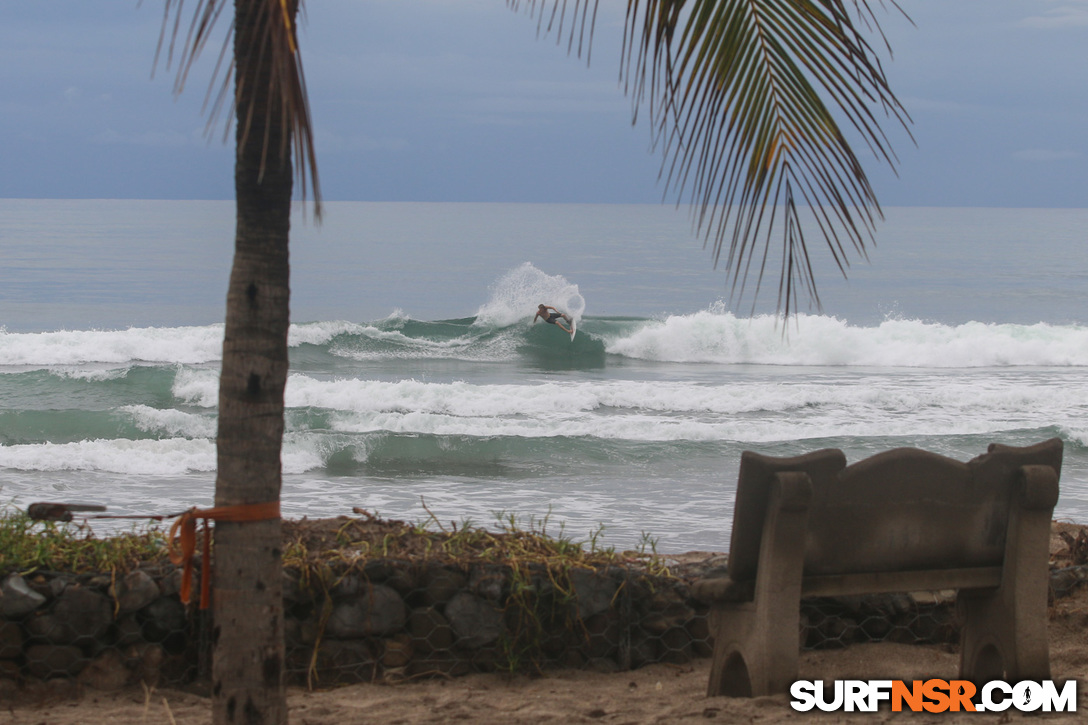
(900, 510)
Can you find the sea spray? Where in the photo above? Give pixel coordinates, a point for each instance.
(515, 296)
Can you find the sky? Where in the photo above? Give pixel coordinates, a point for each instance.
(462, 100)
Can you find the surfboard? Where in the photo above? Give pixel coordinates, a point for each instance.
(573, 329)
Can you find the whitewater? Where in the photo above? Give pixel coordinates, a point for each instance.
(636, 426)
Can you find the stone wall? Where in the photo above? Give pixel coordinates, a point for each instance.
(103, 631)
(389, 619)
(396, 619)
(385, 619)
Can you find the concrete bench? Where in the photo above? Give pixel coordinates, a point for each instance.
(900, 521)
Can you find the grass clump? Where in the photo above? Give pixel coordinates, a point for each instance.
(27, 546)
(347, 540)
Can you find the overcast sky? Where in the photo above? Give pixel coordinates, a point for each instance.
(457, 100)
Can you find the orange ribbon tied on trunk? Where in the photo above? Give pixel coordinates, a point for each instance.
(182, 540)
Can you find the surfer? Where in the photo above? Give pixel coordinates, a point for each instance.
(552, 318)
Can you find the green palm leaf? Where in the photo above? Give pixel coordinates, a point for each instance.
(738, 92)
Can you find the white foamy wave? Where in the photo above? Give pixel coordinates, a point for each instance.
(320, 333)
(186, 345)
(1077, 433)
(776, 395)
(714, 336)
(170, 457)
(196, 387)
(515, 296)
(647, 428)
(739, 410)
(182, 345)
(458, 398)
(402, 346)
(171, 422)
(474, 346)
(306, 451)
(92, 374)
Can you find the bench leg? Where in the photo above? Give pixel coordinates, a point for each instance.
(1004, 629)
(754, 654)
(995, 645)
(757, 643)
(733, 647)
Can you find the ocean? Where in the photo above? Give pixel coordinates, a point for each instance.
(420, 390)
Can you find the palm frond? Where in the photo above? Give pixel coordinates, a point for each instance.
(275, 39)
(582, 15)
(744, 97)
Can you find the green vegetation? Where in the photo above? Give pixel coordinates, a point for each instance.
(27, 546)
(346, 541)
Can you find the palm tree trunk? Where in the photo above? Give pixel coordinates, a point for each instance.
(247, 664)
